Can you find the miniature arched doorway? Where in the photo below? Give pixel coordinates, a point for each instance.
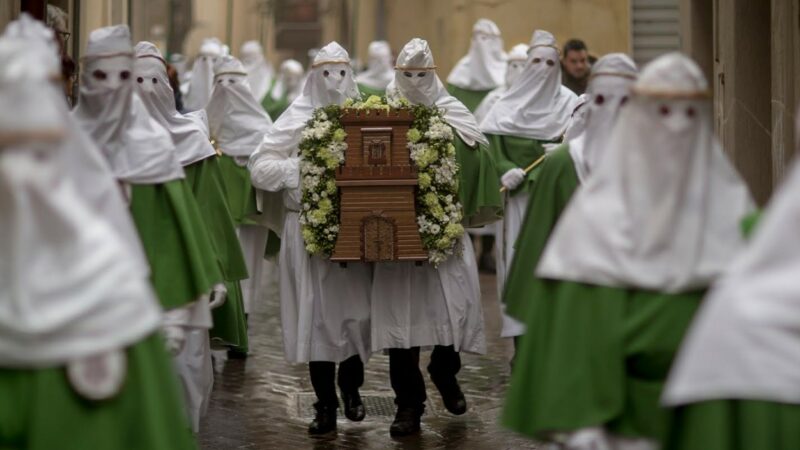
(379, 238)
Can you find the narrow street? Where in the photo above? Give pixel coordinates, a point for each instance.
(265, 403)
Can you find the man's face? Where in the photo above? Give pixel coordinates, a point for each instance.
(576, 63)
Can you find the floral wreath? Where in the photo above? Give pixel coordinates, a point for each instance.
(432, 149)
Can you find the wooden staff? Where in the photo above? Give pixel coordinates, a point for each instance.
(528, 169)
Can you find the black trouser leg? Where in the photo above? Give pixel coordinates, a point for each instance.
(406, 378)
(351, 374)
(323, 379)
(487, 243)
(445, 363)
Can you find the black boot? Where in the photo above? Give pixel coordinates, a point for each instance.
(406, 421)
(351, 378)
(353, 406)
(452, 397)
(324, 422)
(445, 364)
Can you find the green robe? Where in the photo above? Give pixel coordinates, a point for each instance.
(205, 179)
(183, 263)
(41, 411)
(240, 191)
(470, 99)
(512, 152)
(595, 356)
(734, 425)
(367, 91)
(555, 182)
(274, 107)
(478, 187)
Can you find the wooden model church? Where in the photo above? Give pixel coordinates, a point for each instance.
(377, 183)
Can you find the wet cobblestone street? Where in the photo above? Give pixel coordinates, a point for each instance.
(265, 403)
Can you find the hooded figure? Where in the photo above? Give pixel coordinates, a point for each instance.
(237, 124)
(204, 176)
(379, 73)
(76, 310)
(558, 177)
(516, 64)
(424, 306)
(655, 223)
(482, 69)
(260, 73)
(183, 262)
(324, 308)
(517, 58)
(533, 112)
(83, 162)
(201, 79)
(739, 358)
(288, 86)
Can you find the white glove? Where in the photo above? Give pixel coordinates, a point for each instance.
(175, 337)
(513, 178)
(218, 296)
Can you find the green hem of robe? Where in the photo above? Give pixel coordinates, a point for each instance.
(205, 179)
(734, 425)
(183, 263)
(41, 411)
(512, 152)
(367, 91)
(240, 191)
(470, 99)
(556, 181)
(595, 356)
(230, 324)
(478, 187)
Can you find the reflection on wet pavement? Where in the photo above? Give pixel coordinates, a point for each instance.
(264, 402)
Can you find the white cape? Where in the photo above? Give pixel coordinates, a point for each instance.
(744, 343)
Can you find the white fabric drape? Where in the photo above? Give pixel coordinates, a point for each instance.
(484, 66)
(537, 106)
(152, 85)
(661, 211)
(416, 80)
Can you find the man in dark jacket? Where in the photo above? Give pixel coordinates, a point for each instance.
(576, 64)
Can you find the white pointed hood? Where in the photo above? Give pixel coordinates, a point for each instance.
(416, 80)
(259, 71)
(662, 209)
(330, 82)
(379, 71)
(237, 121)
(71, 287)
(81, 160)
(289, 82)
(609, 90)
(517, 59)
(201, 78)
(484, 67)
(744, 343)
(537, 106)
(152, 84)
(139, 150)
